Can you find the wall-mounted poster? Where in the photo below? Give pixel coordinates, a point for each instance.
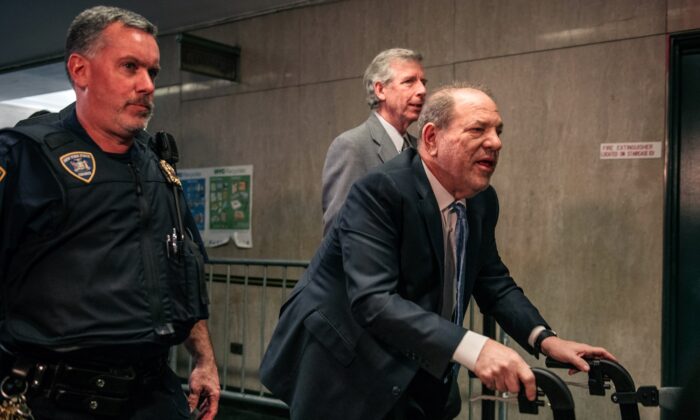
(221, 200)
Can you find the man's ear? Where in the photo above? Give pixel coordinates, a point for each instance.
(79, 70)
(429, 138)
(379, 91)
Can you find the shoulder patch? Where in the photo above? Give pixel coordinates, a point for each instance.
(79, 164)
(3, 172)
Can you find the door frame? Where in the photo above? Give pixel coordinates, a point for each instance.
(679, 44)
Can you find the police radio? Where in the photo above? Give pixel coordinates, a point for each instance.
(166, 147)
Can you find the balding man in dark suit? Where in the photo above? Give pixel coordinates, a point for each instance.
(373, 329)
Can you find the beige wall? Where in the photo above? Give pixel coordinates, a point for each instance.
(583, 236)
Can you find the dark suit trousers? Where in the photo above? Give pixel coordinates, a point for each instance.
(428, 398)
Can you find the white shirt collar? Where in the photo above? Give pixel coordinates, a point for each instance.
(393, 133)
(443, 197)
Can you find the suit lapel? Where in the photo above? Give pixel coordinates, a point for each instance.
(430, 212)
(385, 147)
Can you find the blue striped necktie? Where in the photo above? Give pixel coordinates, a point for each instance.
(462, 233)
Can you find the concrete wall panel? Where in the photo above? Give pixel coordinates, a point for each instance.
(485, 28)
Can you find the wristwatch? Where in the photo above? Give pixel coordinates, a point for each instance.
(545, 333)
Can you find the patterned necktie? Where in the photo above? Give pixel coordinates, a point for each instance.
(406, 143)
(462, 233)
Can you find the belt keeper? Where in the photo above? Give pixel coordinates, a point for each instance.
(21, 368)
(38, 377)
(57, 372)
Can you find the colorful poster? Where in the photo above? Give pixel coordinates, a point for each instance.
(221, 200)
(195, 195)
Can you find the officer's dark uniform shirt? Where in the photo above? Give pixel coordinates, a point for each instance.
(83, 255)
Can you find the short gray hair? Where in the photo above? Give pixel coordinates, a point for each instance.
(379, 70)
(439, 107)
(84, 32)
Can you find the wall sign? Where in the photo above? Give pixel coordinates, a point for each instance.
(649, 150)
(221, 201)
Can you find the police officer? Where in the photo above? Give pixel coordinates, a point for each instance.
(100, 260)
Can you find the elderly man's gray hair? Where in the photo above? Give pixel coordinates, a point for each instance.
(379, 70)
(84, 32)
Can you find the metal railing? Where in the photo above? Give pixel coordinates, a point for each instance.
(243, 312)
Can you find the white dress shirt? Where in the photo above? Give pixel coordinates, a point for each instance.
(472, 343)
(393, 133)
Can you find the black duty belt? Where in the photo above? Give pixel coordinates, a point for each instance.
(87, 387)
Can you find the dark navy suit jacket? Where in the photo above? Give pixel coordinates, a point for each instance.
(364, 318)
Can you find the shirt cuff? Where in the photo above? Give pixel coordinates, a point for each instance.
(469, 349)
(533, 335)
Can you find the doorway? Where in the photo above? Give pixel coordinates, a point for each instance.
(681, 332)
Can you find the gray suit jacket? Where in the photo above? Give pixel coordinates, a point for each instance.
(350, 156)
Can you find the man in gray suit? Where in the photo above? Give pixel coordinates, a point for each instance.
(395, 84)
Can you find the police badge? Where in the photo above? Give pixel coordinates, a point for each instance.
(79, 164)
(170, 173)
